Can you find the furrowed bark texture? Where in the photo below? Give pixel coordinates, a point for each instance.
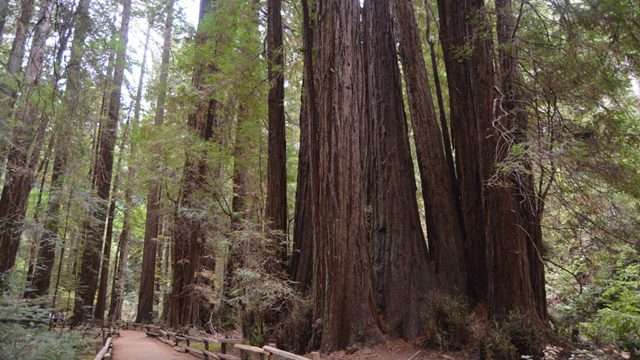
(276, 205)
(103, 169)
(445, 230)
(344, 309)
(470, 77)
(189, 231)
(71, 110)
(301, 264)
(26, 143)
(401, 273)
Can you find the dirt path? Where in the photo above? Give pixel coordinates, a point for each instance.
(135, 345)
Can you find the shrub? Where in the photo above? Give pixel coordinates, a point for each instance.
(447, 323)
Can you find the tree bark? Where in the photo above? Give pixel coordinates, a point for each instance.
(152, 224)
(301, 264)
(470, 76)
(4, 11)
(444, 222)
(102, 181)
(9, 89)
(147, 277)
(276, 207)
(344, 310)
(25, 147)
(189, 231)
(71, 104)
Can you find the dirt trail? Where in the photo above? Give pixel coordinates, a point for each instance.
(135, 345)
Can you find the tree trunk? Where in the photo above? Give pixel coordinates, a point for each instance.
(71, 103)
(301, 264)
(189, 231)
(25, 148)
(4, 11)
(344, 309)
(276, 207)
(523, 290)
(88, 279)
(152, 224)
(470, 79)
(444, 223)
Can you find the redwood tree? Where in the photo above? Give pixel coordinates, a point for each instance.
(26, 143)
(71, 109)
(102, 173)
(276, 207)
(153, 221)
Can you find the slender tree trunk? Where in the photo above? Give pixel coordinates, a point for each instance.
(276, 207)
(25, 147)
(189, 231)
(71, 104)
(4, 11)
(301, 265)
(343, 293)
(152, 224)
(444, 222)
(88, 280)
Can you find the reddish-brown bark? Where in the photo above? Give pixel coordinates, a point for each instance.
(102, 172)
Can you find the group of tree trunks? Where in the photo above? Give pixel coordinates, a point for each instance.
(363, 255)
(359, 249)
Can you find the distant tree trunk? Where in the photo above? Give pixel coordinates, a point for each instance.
(9, 87)
(439, 191)
(344, 310)
(71, 103)
(471, 83)
(25, 147)
(301, 264)
(189, 232)
(152, 224)
(276, 207)
(102, 180)
(4, 11)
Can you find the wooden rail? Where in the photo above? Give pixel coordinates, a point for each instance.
(105, 352)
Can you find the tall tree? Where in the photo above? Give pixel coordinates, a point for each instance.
(25, 146)
(189, 231)
(9, 86)
(342, 288)
(276, 208)
(71, 109)
(102, 173)
(445, 231)
(471, 78)
(395, 233)
(301, 264)
(153, 221)
(4, 11)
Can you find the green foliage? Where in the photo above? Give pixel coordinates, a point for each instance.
(447, 323)
(25, 334)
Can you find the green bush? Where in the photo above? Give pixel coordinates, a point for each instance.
(447, 323)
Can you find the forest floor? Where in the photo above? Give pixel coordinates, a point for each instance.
(394, 350)
(136, 345)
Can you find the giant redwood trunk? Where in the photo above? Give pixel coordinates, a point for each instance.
(445, 232)
(189, 230)
(102, 172)
(26, 143)
(276, 207)
(344, 310)
(153, 220)
(526, 293)
(402, 275)
(71, 104)
(470, 76)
